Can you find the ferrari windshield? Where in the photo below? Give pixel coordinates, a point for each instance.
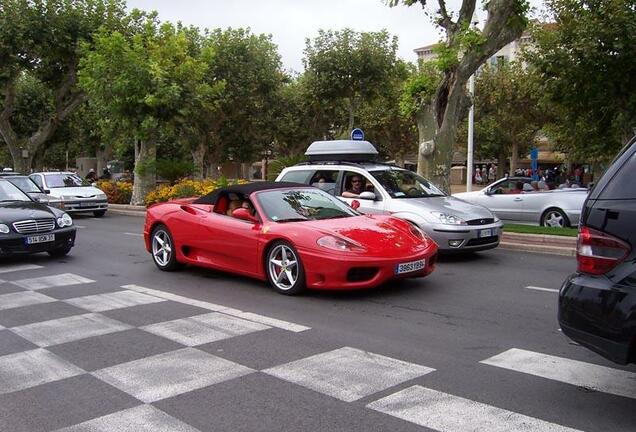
(65, 180)
(8, 192)
(406, 184)
(288, 205)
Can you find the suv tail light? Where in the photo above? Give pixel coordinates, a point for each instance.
(597, 252)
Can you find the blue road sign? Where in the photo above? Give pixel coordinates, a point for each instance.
(534, 163)
(357, 135)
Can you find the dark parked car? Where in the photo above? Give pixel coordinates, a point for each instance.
(27, 226)
(597, 304)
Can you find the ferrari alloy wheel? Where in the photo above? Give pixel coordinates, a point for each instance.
(284, 269)
(163, 250)
(554, 218)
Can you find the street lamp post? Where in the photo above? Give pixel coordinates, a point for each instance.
(471, 128)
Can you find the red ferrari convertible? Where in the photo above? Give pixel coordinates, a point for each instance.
(293, 235)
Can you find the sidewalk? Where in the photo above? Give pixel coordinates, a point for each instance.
(536, 243)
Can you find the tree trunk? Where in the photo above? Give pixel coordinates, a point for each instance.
(21, 164)
(198, 158)
(514, 157)
(426, 129)
(145, 170)
(502, 159)
(351, 115)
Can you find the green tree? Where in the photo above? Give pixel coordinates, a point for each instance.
(464, 49)
(508, 114)
(144, 81)
(587, 64)
(250, 67)
(39, 41)
(349, 68)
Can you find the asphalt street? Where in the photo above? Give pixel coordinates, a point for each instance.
(474, 346)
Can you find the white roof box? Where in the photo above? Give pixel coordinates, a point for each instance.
(341, 150)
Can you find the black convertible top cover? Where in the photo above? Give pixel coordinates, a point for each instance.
(245, 190)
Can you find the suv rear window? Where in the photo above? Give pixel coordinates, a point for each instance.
(297, 176)
(623, 184)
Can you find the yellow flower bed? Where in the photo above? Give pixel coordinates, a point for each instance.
(186, 188)
(116, 192)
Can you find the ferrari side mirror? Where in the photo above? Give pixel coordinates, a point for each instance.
(355, 204)
(244, 214)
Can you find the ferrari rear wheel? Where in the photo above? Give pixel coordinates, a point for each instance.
(163, 249)
(284, 269)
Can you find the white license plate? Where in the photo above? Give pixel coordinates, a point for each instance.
(486, 233)
(87, 204)
(410, 266)
(40, 238)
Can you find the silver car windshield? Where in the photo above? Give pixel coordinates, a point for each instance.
(302, 204)
(9, 192)
(65, 180)
(406, 184)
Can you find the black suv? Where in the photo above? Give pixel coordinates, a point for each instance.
(597, 304)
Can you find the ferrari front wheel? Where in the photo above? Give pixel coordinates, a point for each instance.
(285, 269)
(163, 249)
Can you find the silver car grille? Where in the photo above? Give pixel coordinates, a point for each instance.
(34, 226)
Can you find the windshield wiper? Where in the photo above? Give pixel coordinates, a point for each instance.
(298, 219)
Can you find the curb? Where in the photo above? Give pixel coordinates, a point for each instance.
(535, 243)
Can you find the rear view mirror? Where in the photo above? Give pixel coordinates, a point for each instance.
(367, 196)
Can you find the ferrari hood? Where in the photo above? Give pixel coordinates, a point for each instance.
(381, 235)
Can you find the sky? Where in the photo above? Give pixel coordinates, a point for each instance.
(290, 22)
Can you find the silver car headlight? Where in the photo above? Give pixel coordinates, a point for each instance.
(448, 219)
(101, 196)
(64, 220)
(496, 219)
(4, 229)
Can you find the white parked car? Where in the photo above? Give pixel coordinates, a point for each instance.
(514, 199)
(339, 166)
(76, 194)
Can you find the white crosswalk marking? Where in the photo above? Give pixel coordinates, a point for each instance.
(536, 288)
(69, 329)
(578, 373)
(63, 279)
(164, 375)
(272, 322)
(201, 329)
(142, 418)
(347, 373)
(18, 267)
(134, 234)
(23, 298)
(30, 368)
(447, 413)
(110, 301)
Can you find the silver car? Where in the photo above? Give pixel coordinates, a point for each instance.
(76, 195)
(455, 225)
(514, 199)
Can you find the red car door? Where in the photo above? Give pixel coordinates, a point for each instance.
(231, 243)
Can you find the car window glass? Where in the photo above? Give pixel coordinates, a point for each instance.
(25, 184)
(356, 183)
(302, 204)
(65, 180)
(297, 176)
(38, 180)
(9, 192)
(623, 184)
(325, 180)
(406, 184)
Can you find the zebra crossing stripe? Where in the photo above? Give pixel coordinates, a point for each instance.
(63, 279)
(448, 413)
(18, 267)
(600, 378)
(272, 322)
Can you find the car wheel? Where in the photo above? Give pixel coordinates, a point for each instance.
(60, 252)
(163, 249)
(554, 218)
(285, 270)
(99, 213)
